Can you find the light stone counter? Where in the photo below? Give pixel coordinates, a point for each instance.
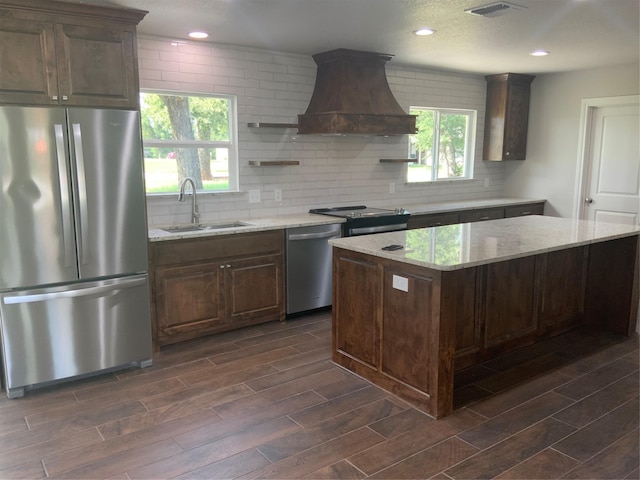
(157, 233)
(453, 247)
(445, 207)
(251, 225)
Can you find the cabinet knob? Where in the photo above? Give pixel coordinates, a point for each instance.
(228, 266)
(221, 266)
(507, 153)
(64, 97)
(55, 97)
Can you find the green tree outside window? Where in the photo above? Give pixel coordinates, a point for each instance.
(187, 136)
(443, 146)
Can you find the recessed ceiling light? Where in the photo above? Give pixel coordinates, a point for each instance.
(539, 53)
(424, 31)
(198, 35)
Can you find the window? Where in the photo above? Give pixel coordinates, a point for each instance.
(444, 145)
(186, 135)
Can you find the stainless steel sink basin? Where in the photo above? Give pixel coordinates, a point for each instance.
(183, 228)
(218, 226)
(199, 228)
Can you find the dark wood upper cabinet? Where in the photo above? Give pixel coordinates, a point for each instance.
(71, 54)
(506, 116)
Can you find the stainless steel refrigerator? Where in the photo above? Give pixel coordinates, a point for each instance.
(74, 295)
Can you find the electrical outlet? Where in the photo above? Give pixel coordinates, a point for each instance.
(392, 187)
(277, 195)
(254, 196)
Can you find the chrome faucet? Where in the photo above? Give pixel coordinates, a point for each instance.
(195, 216)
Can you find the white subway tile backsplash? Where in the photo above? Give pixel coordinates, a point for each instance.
(276, 87)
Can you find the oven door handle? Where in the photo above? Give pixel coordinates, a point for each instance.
(377, 229)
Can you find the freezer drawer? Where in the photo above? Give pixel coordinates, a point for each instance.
(55, 333)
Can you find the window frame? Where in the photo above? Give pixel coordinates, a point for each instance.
(470, 142)
(231, 145)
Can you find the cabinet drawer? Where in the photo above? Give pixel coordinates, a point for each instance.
(481, 215)
(523, 210)
(192, 250)
(434, 220)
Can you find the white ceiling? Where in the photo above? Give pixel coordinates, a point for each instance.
(579, 33)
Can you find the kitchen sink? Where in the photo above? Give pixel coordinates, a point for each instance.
(218, 226)
(199, 228)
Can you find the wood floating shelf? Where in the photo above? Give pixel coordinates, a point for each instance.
(398, 160)
(272, 163)
(272, 125)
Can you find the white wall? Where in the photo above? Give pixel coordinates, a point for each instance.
(554, 131)
(276, 87)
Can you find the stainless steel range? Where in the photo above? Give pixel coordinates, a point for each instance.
(362, 220)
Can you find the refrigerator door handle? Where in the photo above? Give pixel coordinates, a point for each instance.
(82, 193)
(82, 292)
(65, 201)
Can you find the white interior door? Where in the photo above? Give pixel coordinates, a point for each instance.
(611, 191)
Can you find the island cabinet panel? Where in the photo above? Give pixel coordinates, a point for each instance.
(507, 307)
(611, 296)
(356, 310)
(405, 319)
(560, 284)
(386, 327)
(207, 285)
(462, 290)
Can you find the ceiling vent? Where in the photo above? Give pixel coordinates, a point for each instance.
(494, 9)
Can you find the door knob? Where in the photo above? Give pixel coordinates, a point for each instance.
(588, 200)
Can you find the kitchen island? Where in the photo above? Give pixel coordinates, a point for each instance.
(457, 295)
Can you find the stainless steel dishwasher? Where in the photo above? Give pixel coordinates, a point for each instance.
(308, 255)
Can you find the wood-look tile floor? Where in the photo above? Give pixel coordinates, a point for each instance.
(266, 402)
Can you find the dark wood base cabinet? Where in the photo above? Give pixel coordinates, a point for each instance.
(213, 284)
(427, 220)
(408, 328)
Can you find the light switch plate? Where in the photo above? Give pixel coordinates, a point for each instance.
(254, 196)
(400, 283)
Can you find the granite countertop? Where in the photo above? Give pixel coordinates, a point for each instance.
(452, 247)
(444, 207)
(249, 225)
(157, 233)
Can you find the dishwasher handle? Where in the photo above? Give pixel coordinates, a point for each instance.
(313, 236)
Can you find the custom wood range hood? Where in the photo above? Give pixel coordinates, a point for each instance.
(352, 96)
